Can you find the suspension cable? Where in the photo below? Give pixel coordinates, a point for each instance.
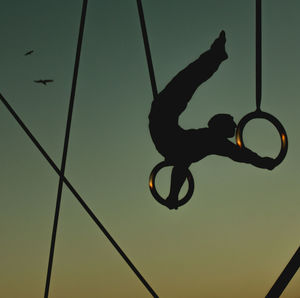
(77, 196)
(286, 276)
(258, 55)
(292, 267)
(65, 180)
(65, 150)
(147, 48)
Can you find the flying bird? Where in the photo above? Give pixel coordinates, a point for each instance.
(43, 81)
(28, 53)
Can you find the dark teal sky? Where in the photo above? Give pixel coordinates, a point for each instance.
(240, 228)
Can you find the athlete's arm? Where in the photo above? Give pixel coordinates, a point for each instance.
(245, 155)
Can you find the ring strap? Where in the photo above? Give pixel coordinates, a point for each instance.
(147, 49)
(258, 54)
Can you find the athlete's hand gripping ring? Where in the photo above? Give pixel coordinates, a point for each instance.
(258, 114)
(156, 195)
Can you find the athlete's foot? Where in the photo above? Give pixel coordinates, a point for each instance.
(171, 203)
(218, 46)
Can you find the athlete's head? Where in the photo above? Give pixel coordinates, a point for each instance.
(223, 125)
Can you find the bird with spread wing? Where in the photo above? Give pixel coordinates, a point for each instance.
(28, 53)
(43, 81)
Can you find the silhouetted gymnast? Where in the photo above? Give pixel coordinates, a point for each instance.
(182, 147)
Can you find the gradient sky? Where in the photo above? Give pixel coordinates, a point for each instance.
(241, 226)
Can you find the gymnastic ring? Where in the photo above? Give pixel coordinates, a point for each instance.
(258, 114)
(156, 195)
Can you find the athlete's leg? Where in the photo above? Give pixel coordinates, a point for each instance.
(179, 174)
(181, 88)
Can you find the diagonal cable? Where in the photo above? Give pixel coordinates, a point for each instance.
(65, 150)
(77, 196)
(285, 277)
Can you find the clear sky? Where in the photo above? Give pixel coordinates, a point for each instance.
(241, 226)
